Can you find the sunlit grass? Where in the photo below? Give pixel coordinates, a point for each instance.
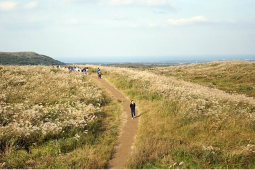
(51, 118)
(186, 125)
(230, 76)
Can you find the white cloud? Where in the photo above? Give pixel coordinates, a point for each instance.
(153, 25)
(231, 21)
(8, 5)
(31, 5)
(159, 11)
(121, 2)
(78, 1)
(119, 17)
(133, 26)
(197, 19)
(144, 25)
(12, 5)
(152, 3)
(156, 2)
(73, 22)
(188, 21)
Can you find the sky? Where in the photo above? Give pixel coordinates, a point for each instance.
(129, 30)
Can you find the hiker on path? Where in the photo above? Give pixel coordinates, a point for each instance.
(132, 107)
(99, 75)
(87, 71)
(84, 71)
(98, 70)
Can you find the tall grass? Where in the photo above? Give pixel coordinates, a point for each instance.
(186, 125)
(230, 76)
(52, 118)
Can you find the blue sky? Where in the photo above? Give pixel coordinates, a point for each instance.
(128, 30)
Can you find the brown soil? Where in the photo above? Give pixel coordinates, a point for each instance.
(128, 130)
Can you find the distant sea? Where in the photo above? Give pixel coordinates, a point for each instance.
(152, 60)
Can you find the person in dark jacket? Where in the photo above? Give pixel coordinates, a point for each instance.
(99, 75)
(132, 107)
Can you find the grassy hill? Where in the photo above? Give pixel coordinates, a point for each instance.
(186, 124)
(230, 76)
(26, 58)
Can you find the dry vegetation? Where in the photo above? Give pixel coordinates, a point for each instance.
(50, 118)
(187, 125)
(230, 76)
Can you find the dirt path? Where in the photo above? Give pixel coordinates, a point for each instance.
(128, 132)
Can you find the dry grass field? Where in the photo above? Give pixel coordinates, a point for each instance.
(53, 118)
(192, 116)
(184, 124)
(230, 76)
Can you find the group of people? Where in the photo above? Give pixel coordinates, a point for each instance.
(85, 72)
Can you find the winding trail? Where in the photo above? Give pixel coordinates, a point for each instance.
(128, 131)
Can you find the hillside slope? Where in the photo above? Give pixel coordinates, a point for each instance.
(185, 124)
(26, 58)
(230, 76)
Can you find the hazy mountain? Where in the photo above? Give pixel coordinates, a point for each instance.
(26, 58)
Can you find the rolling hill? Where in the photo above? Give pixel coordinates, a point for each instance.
(26, 58)
(189, 116)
